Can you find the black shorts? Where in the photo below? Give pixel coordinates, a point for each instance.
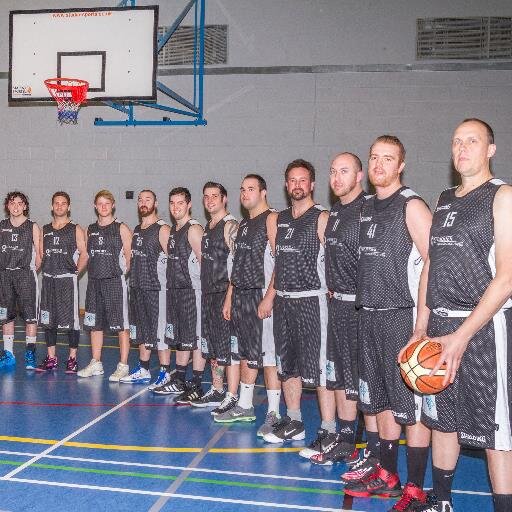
(217, 341)
(18, 294)
(59, 302)
(147, 318)
(255, 336)
(106, 305)
(342, 373)
(382, 334)
(300, 333)
(183, 326)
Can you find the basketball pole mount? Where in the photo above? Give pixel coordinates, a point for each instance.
(191, 108)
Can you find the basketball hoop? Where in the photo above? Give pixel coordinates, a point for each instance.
(69, 93)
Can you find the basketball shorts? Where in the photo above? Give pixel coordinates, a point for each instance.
(59, 302)
(342, 350)
(183, 326)
(382, 334)
(300, 333)
(255, 336)
(217, 341)
(19, 293)
(147, 318)
(106, 305)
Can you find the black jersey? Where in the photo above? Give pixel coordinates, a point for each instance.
(389, 264)
(462, 248)
(342, 246)
(300, 265)
(105, 250)
(148, 262)
(183, 268)
(17, 245)
(253, 262)
(217, 260)
(60, 252)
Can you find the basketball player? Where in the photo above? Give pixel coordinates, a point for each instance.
(300, 307)
(20, 258)
(106, 299)
(393, 245)
(249, 301)
(217, 247)
(341, 255)
(183, 331)
(469, 287)
(148, 290)
(64, 259)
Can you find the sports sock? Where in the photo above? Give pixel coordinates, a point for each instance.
(389, 454)
(347, 430)
(294, 415)
(246, 395)
(197, 377)
(144, 364)
(274, 398)
(442, 480)
(50, 336)
(330, 426)
(9, 342)
(502, 502)
(416, 465)
(373, 443)
(181, 371)
(30, 342)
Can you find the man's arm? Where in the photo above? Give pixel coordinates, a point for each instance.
(163, 236)
(195, 235)
(82, 250)
(267, 303)
(37, 240)
(126, 239)
(322, 224)
(230, 230)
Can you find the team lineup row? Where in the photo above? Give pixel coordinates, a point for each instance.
(316, 297)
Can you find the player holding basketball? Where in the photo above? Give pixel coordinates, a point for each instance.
(217, 248)
(148, 290)
(20, 258)
(106, 300)
(466, 307)
(300, 306)
(249, 301)
(64, 259)
(183, 331)
(393, 244)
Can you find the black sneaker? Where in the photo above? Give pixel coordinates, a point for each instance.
(192, 392)
(227, 404)
(211, 398)
(323, 439)
(286, 430)
(174, 387)
(337, 451)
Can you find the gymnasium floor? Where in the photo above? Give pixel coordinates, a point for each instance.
(88, 444)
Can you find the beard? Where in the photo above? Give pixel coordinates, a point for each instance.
(297, 194)
(145, 211)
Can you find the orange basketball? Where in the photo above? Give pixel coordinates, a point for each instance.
(417, 363)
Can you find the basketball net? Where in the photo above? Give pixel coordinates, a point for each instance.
(70, 94)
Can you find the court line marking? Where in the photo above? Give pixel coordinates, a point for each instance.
(214, 499)
(46, 404)
(71, 436)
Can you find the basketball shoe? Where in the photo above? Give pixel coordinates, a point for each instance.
(71, 365)
(434, 505)
(323, 440)
(7, 359)
(192, 392)
(412, 497)
(337, 451)
(162, 379)
(47, 364)
(361, 468)
(271, 419)
(138, 375)
(226, 405)
(30, 360)
(286, 429)
(237, 413)
(212, 398)
(93, 368)
(175, 386)
(122, 370)
(379, 483)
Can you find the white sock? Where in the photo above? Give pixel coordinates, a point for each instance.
(30, 339)
(246, 395)
(273, 397)
(9, 342)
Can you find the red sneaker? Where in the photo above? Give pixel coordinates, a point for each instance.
(412, 496)
(379, 483)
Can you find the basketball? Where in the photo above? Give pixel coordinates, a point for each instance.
(417, 363)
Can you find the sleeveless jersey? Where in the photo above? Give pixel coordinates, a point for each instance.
(105, 250)
(17, 245)
(300, 265)
(217, 259)
(183, 268)
(253, 262)
(389, 264)
(149, 262)
(462, 251)
(60, 253)
(342, 246)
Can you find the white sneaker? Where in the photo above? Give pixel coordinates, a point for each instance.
(93, 368)
(122, 370)
(138, 375)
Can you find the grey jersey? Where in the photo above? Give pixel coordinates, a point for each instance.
(462, 250)
(183, 268)
(253, 262)
(105, 250)
(60, 252)
(17, 245)
(389, 264)
(149, 261)
(300, 265)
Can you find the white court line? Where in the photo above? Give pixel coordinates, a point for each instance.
(215, 499)
(70, 436)
(204, 470)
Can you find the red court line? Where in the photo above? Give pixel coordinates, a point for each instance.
(42, 404)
